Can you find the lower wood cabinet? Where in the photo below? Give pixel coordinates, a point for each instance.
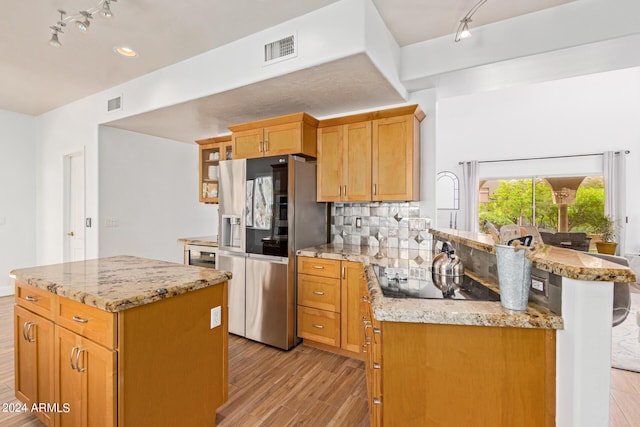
(157, 364)
(452, 375)
(34, 354)
(329, 302)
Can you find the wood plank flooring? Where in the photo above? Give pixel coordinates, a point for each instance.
(301, 387)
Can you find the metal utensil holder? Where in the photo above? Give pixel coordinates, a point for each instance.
(514, 277)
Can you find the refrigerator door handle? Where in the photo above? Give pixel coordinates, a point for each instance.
(270, 258)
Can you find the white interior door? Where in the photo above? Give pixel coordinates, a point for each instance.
(74, 207)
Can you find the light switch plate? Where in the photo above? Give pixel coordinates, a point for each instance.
(216, 317)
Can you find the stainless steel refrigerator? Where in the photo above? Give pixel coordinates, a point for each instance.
(267, 212)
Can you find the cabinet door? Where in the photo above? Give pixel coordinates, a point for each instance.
(33, 336)
(248, 144)
(85, 380)
(283, 139)
(356, 154)
(330, 162)
(352, 276)
(393, 163)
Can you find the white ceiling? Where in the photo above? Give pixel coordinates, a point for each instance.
(37, 77)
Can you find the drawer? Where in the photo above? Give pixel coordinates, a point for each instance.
(34, 299)
(319, 325)
(90, 322)
(319, 267)
(319, 292)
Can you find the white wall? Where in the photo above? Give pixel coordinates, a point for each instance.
(75, 126)
(149, 185)
(588, 114)
(17, 195)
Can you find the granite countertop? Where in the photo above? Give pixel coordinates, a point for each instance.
(121, 282)
(440, 311)
(563, 262)
(202, 241)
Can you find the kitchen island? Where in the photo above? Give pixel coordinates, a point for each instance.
(477, 363)
(121, 341)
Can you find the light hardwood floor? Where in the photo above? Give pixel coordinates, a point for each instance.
(304, 386)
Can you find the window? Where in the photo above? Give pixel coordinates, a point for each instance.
(552, 204)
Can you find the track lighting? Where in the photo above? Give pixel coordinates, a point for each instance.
(463, 28)
(82, 20)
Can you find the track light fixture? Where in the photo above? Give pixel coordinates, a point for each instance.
(82, 20)
(463, 28)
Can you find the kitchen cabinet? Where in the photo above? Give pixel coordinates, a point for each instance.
(211, 151)
(329, 303)
(421, 374)
(344, 163)
(291, 134)
(33, 343)
(372, 156)
(125, 368)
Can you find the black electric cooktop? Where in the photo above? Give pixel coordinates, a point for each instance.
(397, 283)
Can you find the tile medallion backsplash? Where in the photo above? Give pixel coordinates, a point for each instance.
(383, 224)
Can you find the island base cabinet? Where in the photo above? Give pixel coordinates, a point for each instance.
(33, 344)
(453, 375)
(85, 378)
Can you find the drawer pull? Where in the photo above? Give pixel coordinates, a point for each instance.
(318, 293)
(318, 267)
(32, 299)
(79, 319)
(376, 366)
(376, 401)
(318, 326)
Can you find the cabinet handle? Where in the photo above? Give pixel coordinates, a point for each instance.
(73, 350)
(319, 267)
(318, 326)
(260, 147)
(339, 190)
(376, 401)
(375, 189)
(266, 145)
(343, 272)
(376, 366)
(345, 191)
(25, 325)
(30, 298)
(365, 298)
(318, 292)
(80, 319)
(30, 339)
(80, 351)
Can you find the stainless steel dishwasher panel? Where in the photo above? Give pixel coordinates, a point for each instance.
(235, 263)
(267, 308)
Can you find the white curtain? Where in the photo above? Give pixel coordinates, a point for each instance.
(471, 187)
(614, 168)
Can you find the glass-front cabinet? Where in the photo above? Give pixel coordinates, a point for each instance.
(211, 152)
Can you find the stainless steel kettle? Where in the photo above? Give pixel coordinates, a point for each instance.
(447, 270)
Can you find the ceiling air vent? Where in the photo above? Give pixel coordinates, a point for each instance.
(280, 50)
(114, 104)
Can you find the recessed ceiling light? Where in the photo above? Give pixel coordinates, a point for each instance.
(126, 51)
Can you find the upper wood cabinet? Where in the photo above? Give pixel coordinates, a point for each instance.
(291, 134)
(371, 156)
(344, 163)
(211, 152)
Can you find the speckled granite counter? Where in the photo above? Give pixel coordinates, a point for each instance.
(121, 282)
(454, 312)
(202, 241)
(563, 262)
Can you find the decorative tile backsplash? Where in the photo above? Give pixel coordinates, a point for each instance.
(383, 224)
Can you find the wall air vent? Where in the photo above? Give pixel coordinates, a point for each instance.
(114, 104)
(280, 50)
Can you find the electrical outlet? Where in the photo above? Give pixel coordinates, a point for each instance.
(216, 317)
(113, 222)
